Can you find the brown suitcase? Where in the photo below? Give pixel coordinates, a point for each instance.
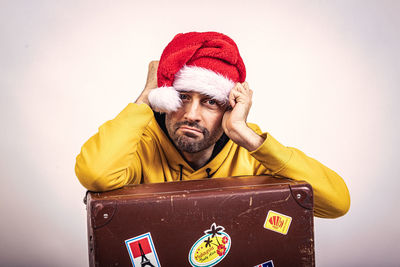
(237, 221)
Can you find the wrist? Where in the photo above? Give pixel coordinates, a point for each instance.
(245, 137)
(143, 98)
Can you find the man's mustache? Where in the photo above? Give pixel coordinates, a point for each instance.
(192, 124)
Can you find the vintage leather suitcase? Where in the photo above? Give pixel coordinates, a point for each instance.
(242, 221)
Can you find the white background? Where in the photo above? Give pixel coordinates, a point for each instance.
(325, 76)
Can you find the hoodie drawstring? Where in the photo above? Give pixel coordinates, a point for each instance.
(180, 172)
(208, 171)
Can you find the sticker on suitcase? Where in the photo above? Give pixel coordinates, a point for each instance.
(277, 222)
(266, 264)
(211, 248)
(142, 251)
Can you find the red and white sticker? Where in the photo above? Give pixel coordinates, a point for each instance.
(142, 251)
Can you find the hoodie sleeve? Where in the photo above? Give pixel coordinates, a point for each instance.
(331, 196)
(109, 159)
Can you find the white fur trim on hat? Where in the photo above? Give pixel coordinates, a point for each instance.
(203, 81)
(191, 79)
(164, 99)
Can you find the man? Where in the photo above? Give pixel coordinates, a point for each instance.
(193, 126)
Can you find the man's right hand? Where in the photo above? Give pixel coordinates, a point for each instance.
(234, 120)
(151, 83)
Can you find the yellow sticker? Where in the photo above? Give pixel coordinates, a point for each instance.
(277, 222)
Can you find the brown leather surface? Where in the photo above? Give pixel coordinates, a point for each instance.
(177, 214)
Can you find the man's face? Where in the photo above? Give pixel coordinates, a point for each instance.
(197, 124)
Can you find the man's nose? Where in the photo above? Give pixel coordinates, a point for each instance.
(192, 111)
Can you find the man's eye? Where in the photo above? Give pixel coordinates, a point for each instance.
(183, 96)
(211, 102)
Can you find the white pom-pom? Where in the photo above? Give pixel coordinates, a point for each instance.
(164, 99)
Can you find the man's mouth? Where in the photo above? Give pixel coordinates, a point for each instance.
(190, 127)
(190, 131)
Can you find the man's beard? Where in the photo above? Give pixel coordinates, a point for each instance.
(187, 143)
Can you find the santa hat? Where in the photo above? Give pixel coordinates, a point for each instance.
(208, 63)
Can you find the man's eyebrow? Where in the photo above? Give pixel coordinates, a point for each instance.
(203, 96)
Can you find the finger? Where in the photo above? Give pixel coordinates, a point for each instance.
(239, 87)
(232, 98)
(151, 81)
(249, 92)
(153, 65)
(245, 86)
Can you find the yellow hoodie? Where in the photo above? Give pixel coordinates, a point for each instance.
(133, 149)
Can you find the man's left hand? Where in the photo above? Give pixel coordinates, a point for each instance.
(234, 120)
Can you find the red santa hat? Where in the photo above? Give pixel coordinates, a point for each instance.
(208, 63)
